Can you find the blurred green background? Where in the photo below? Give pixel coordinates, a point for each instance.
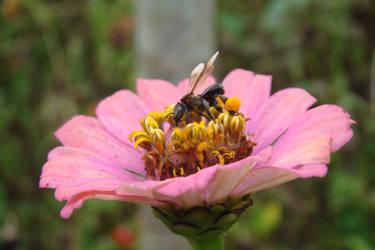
(58, 58)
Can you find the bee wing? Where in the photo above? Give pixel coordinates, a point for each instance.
(194, 76)
(200, 73)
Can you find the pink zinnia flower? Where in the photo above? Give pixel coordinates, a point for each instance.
(98, 160)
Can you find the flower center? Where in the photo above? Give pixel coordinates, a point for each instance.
(182, 148)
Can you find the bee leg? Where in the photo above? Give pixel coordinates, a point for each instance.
(205, 116)
(187, 117)
(215, 103)
(217, 107)
(222, 97)
(206, 107)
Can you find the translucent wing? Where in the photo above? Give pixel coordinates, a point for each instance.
(195, 74)
(200, 73)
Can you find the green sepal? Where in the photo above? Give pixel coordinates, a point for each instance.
(241, 206)
(218, 208)
(203, 222)
(188, 229)
(226, 221)
(199, 216)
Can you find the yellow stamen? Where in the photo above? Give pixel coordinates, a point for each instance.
(219, 156)
(189, 132)
(169, 108)
(158, 140)
(218, 138)
(199, 156)
(224, 119)
(203, 146)
(156, 115)
(149, 124)
(182, 171)
(139, 141)
(201, 131)
(214, 129)
(136, 133)
(234, 123)
(230, 155)
(177, 135)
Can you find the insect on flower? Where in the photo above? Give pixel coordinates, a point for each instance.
(199, 104)
(213, 96)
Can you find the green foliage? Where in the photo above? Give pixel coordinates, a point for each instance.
(58, 58)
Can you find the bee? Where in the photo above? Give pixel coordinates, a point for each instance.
(199, 104)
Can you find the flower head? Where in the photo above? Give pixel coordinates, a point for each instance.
(220, 148)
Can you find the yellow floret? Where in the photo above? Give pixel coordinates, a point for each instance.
(219, 156)
(203, 146)
(137, 133)
(182, 171)
(149, 124)
(199, 156)
(156, 115)
(139, 141)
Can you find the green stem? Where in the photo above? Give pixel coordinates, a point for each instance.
(207, 244)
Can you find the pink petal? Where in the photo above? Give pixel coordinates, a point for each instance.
(277, 114)
(306, 171)
(141, 188)
(307, 147)
(237, 82)
(256, 94)
(121, 113)
(208, 186)
(263, 178)
(268, 176)
(77, 200)
(84, 132)
(148, 189)
(158, 93)
(226, 180)
(184, 85)
(70, 166)
(78, 173)
(329, 119)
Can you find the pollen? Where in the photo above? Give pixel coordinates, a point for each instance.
(186, 148)
(233, 104)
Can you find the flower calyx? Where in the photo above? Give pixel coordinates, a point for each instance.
(203, 222)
